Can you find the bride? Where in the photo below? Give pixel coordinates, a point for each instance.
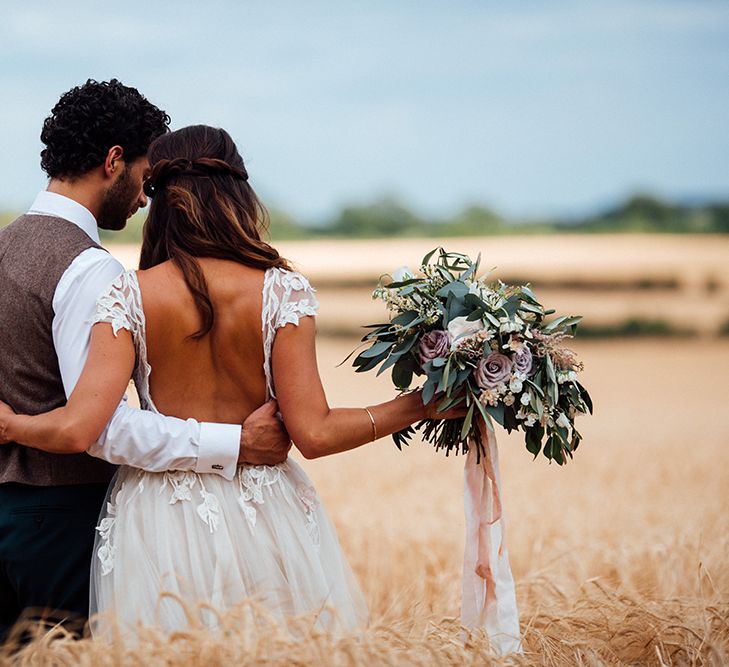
(225, 324)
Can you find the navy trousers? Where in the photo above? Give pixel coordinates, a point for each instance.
(46, 539)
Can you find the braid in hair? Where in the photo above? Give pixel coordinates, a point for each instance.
(166, 170)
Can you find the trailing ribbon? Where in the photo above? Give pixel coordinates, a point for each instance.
(489, 595)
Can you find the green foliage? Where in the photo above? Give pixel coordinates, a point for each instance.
(535, 387)
(648, 214)
(389, 218)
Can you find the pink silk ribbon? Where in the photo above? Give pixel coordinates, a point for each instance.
(489, 595)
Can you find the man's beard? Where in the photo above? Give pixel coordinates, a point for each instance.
(117, 203)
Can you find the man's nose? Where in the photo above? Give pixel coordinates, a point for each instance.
(143, 200)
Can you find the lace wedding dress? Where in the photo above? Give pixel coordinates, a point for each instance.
(201, 539)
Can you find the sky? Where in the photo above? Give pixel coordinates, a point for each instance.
(530, 108)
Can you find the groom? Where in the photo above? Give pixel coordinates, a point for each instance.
(52, 269)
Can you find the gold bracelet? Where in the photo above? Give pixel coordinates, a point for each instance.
(374, 426)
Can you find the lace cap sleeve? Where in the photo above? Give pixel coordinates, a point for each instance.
(114, 305)
(297, 298)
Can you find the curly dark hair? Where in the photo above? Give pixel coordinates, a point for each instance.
(89, 119)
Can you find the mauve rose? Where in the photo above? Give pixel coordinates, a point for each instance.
(432, 345)
(523, 360)
(493, 370)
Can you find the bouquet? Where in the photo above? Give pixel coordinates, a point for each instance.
(488, 347)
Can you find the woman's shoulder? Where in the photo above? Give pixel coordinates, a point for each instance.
(288, 296)
(120, 304)
(127, 280)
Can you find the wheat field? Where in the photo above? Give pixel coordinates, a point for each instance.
(620, 558)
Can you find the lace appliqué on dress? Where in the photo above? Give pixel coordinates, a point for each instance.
(107, 549)
(287, 297)
(252, 480)
(309, 500)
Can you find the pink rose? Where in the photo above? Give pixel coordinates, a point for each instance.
(493, 370)
(432, 345)
(523, 360)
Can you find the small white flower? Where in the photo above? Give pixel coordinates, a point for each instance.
(562, 420)
(566, 376)
(530, 420)
(507, 325)
(489, 397)
(509, 399)
(525, 398)
(402, 273)
(475, 288)
(515, 345)
(515, 384)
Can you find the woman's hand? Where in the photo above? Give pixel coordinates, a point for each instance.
(6, 412)
(431, 409)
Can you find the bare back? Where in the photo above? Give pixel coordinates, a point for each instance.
(220, 377)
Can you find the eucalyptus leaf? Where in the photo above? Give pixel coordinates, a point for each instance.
(376, 350)
(456, 288)
(402, 375)
(497, 412)
(492, 320)
(428, 391)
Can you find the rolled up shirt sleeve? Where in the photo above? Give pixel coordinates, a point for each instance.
(133, 437)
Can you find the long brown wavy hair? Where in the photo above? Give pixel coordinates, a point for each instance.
(202, 206)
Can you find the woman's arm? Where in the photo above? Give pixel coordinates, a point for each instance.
(76, 426)
(316, 429)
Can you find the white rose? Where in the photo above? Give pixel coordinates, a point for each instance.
(402, 273)
(459, 327)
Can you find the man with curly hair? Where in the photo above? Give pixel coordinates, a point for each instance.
(52, 269)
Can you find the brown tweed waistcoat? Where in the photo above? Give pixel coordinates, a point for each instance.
(35, 250)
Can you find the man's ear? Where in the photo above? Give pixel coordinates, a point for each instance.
(114, 161)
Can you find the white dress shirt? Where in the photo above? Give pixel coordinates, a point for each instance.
(133, 437)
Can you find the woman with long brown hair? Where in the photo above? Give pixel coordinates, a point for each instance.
(225, 324)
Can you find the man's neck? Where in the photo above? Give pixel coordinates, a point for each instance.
(79, 191)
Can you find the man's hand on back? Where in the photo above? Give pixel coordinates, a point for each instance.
(264, 440)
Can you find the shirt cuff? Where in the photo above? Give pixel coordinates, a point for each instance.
(219, 448)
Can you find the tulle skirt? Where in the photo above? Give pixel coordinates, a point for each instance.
(175, 543)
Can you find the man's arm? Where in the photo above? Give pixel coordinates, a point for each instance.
(139, 438)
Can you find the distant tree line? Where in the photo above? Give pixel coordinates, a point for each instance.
(387, 217)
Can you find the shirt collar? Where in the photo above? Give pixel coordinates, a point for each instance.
(50, 203)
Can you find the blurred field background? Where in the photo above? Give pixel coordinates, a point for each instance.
(620, 557)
